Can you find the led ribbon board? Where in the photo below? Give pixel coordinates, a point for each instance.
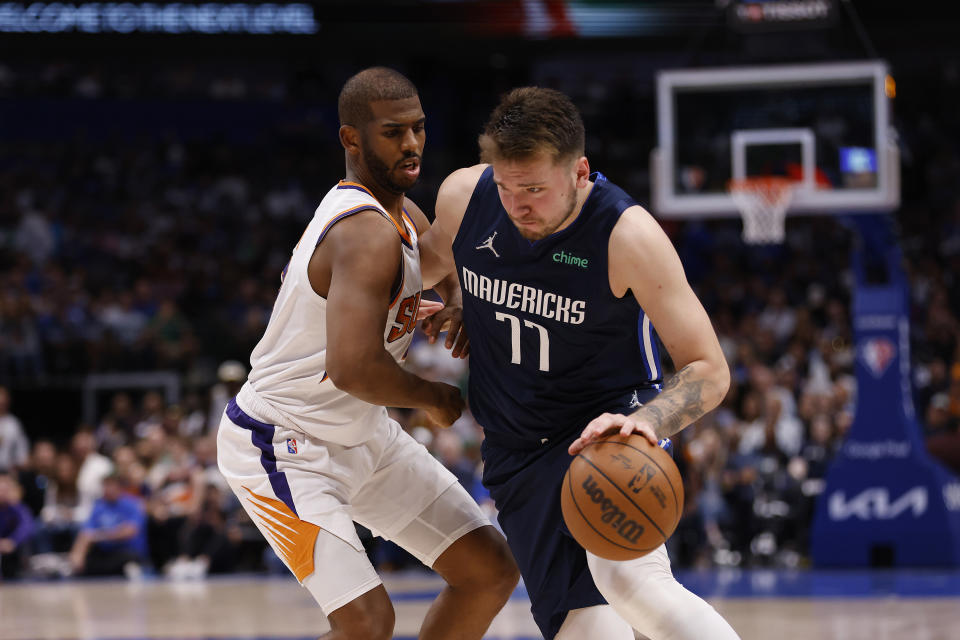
(127, 17)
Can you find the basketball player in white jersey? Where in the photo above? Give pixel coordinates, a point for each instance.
(307, 444)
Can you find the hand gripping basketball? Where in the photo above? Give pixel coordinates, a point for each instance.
(622, 497)
(605, 424)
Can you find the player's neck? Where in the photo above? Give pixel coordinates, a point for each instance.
(583, 194)
(390, 201)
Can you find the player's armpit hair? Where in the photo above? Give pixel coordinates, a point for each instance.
(371, 85)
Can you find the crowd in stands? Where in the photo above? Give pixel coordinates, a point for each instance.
(163, 252)
(139, 491)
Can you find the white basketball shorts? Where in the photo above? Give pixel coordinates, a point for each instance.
(304, 495)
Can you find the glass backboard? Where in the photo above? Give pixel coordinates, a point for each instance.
(826, 126)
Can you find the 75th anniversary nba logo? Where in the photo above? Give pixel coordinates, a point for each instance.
(877, 354)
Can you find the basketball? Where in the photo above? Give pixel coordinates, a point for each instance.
(622, 497)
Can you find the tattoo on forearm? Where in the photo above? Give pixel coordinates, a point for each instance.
(679, 404)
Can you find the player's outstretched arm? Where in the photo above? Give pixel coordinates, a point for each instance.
(361, 257)
(643, 260)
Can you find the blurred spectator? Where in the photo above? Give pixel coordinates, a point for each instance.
(151, 414)
(939, 420)
(14, 448)
(117, 425)
(705, 512)
(930, 378)
(34, 237)
(207, 546)
(119, 315)
(174, 497)
(20, 346)
(449, 448)
(172, 334)
(943, 432)
(778, 317)
(92, 468)
(777, 416)
(35, 476)
(231, 375)
(62, 514)
(953, 394)
(16, 527)
(172, 423)
(206, 472)
(194, 420)
(434, 362)
(819, 450)
(131, 471)
(113, 539)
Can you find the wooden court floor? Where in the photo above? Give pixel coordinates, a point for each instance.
(278, 608)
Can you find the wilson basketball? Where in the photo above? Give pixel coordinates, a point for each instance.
(622, 497)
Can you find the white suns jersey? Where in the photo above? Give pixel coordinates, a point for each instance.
(288, 384)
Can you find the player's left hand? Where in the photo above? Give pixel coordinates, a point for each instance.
(607, 424)
(438, 317)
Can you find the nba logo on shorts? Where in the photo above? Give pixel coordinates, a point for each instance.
(291, 445)
(877, 354)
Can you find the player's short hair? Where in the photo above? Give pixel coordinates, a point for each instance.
(529, 121)
(370, 85)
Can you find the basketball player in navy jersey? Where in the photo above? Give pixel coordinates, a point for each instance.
(564, 278)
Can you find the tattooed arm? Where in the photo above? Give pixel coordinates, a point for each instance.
(644, 262)
(680, 403)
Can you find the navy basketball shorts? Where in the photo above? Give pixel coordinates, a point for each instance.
(525, 485)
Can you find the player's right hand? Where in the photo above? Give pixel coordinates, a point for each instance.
(448, 405)
(608, 424)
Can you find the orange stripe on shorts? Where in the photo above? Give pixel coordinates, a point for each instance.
(293, 538)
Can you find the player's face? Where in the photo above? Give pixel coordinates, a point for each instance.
(393, 143)
(540, 194)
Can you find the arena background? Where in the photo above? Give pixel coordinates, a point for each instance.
(159, 161)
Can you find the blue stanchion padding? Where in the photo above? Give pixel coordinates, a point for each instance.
(886, 501)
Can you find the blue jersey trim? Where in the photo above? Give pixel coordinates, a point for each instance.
(648, 345)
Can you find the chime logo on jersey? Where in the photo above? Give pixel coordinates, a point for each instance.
(527, 299)
(291, 445)
(564, 257)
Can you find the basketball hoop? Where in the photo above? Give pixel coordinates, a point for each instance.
(763, 202)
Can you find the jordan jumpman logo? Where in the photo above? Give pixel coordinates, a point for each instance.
(488, 244)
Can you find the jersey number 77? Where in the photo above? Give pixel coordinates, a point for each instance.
(515, 339)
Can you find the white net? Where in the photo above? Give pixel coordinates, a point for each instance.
(763, 204)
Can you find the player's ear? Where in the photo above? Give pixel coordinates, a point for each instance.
(350, 138)
(582, 167)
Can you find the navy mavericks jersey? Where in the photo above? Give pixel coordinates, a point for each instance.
(551, 347)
